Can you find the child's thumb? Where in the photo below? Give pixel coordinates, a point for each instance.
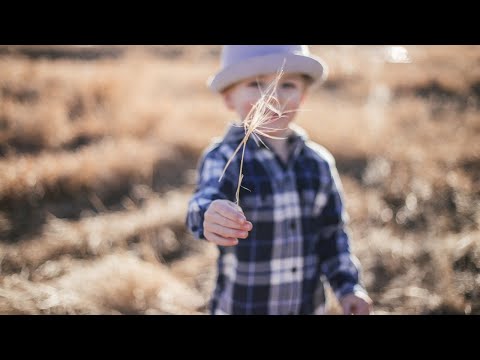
(235, 206)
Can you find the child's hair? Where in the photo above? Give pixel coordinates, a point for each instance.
(239, 62)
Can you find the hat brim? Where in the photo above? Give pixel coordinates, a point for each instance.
(311, 65)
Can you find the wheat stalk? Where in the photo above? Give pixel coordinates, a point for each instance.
(255, 124)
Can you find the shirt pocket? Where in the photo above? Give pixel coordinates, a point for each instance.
(249, 198)
(257, 201)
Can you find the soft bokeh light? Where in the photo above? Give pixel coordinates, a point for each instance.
(397, 54)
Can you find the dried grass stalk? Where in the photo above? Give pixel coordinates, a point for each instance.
(256, 123)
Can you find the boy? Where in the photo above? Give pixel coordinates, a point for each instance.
(288, 230)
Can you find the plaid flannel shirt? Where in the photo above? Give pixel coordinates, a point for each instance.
(298, 239)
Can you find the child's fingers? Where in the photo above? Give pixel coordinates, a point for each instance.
(225, 231)
(231, 213)
(217, 218)
(347, 308)
(235, 206)
(220, 240)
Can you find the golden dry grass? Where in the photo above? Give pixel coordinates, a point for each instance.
(97, 162)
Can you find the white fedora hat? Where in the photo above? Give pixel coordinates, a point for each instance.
(239, 62)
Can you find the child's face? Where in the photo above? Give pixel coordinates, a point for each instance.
(290, 92)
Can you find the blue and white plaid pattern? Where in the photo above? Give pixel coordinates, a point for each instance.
(298, 235)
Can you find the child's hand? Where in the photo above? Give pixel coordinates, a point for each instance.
(357, 303)
(224, 223)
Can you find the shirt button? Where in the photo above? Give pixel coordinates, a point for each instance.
(293, 225)
(294, 269)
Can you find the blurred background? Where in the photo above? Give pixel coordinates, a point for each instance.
(98, 150)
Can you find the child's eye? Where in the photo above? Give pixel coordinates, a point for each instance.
(289, 85)
(255, 84)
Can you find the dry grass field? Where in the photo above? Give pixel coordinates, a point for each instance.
(98, 149)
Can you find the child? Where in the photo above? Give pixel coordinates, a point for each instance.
(288, 230)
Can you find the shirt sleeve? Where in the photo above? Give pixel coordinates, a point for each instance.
(209, 188)
(338, 264)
